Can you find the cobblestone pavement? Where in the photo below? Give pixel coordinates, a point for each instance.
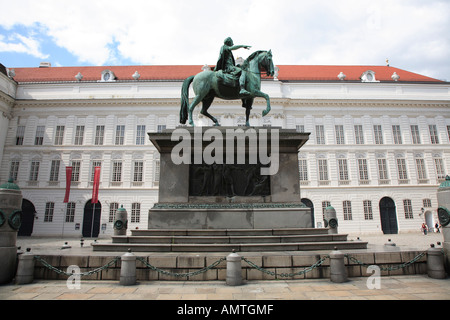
(417, 287)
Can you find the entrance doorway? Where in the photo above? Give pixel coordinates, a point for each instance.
(28, 213)
(310, 205)
(91, 227)
(388, 216)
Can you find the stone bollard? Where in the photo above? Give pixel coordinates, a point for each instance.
(390, 243)
(234, 269)
(338, 272)
(435, 263)
(331, 221)
(121, 222)
(128, 269)
(25, 268)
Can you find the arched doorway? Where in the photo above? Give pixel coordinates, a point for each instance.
(429, 221)
(28, 214)
(388, 216)
(91, 227)
(310, 205)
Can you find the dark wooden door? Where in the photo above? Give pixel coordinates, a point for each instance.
(388, 216)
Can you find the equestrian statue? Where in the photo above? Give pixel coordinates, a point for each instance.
(228, 81)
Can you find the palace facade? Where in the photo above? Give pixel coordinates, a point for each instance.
(379, 145)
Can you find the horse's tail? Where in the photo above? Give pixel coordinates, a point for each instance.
(185, 99)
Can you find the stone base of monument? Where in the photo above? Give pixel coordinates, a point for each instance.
(226, 240)
(238, 216)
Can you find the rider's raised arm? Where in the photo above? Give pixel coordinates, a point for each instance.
(240, 46)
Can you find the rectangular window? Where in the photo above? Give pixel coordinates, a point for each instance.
(325, 204)
(161, 127)
(434, 137)
(320, 135)
(156, 176)
(34, 171)
(54, 170)
(120, 134)
(76, 167)
(339, 134)
(99, 135)
(382, 169)
(79, 135)
(397, 134)
(112, 211)
(343, 170)
(408, 209)
(95, 163)
(140, 135)
(59, 136)
(117, 171)
(378, 134)
(39, 138)
(362, 170)
(448, 132)
(49, 209)
(303, 169)
(323, 170)
(415, 134)
(440, 171)
(421, 171)
(347, 209)
(138, 171)
(359, 135)
(301, 128)
(70, 212)
(14, 170)
(402, 172)
(135, 212)
(368, 215)
(20, 134)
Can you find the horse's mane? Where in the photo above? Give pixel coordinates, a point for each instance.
(246, 63)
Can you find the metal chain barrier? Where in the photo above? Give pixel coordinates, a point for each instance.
(400, 266)
(175, 274)
(88, 273)
(285, 275)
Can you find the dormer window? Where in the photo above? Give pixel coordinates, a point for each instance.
(108, 75)
(368, 76)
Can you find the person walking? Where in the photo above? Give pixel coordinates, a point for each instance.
(424, 229)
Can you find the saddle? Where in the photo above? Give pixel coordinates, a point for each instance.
(227, 79)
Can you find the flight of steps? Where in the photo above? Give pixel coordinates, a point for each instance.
(225, 240)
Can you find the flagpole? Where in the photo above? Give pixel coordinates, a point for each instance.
(92, 224)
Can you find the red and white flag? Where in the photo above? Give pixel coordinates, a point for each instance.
(68, 181)
(96, 185)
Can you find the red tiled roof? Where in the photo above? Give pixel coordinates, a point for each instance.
(180, 72)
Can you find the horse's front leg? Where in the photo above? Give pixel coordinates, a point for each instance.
(265, 96)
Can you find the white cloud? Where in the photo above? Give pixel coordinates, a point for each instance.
(21, 44)
(413, 34)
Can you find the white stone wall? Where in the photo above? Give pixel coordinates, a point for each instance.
(293, 104)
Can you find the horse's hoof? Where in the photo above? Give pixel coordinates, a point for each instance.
(264, 113)
(216, 124)
(247, 124)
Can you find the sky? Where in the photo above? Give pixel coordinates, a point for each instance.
(412, 34)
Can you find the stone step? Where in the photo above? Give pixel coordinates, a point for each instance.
(229, 232)
(228, 247)
(238, 239)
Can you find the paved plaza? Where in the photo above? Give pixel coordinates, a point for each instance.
(414, 287)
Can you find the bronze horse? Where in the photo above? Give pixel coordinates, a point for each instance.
(207, 86)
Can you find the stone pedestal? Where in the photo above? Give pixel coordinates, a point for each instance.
(229, 177)
(10, 220)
